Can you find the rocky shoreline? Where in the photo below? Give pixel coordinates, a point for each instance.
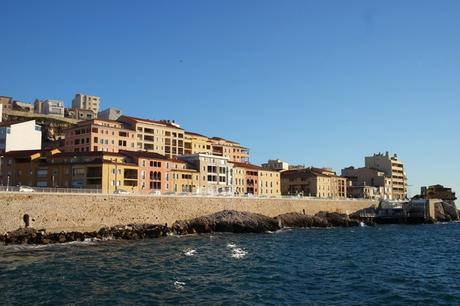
(223, 221)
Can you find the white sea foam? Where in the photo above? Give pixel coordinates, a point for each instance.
(179, 285)
(189, 252)
(231, 245)
(239, 253)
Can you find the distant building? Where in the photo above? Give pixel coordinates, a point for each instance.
(314, 182)
(79, 114)
(86, 102)
(39, 106)
(23, 106)
(229, 149)
(368, 183)
(276, 165)
(110, 114)
(53, 107)
(195, 143)
(15, 136)
(438, 192)
(7, 102)
(394, 169)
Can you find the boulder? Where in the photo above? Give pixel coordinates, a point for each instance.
(227, 221)
(337, 219)
(451, 210)
(21, 236)
(300, 220)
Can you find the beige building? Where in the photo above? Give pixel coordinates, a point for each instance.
(394, 169)
(276, 165)
(7, 102)
(196, 143)
(215, 173)
(160, 137)
(92, 103)
(99, 135)
(79, 114)
(229, 149)
(314, 182)
(253, 179)
(368, 183)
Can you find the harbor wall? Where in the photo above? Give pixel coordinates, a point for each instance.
(72, 212)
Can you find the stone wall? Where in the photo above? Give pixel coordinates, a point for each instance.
(67, 212)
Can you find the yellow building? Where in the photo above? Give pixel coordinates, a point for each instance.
(103, 171)
(161, 137)
(196, 143)
(253, 179)
(314, 182)
(229, 149)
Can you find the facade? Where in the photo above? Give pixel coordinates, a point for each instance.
(110, 114)
(314, 182)
(368, 183)
(229, 149)
(276, 165)
(39, 106)
(103, 171)
(91, 103)
(255, 180)
(156, 136)
(438, 192)
(15, 136)
(23, 106)
(53, 107)
(394, 169)
(196, 143)
(215, 173)
(99, 135)
(79, 114)
(7, 102)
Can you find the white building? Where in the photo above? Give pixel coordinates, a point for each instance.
(20, 136)
(53, 107)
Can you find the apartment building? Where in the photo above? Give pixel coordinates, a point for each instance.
(92, 103)
(215, 173)
(276, 165)
(105, 171)
(53, 107)
(184, 180)
(160, 137)
(394, 169)
(79, 114)
(99, 135)
(368, 183)
(7, 102)
(14, 135)
(229, 149)
(195, 143)
(314, 182)
(23, 106)
(253, 179)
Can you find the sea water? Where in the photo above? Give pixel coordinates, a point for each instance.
(382, 265)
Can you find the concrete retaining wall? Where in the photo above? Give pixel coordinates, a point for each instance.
(71, 212)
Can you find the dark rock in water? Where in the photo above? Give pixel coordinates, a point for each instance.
(133, 231)
(227, 221)
(337, 219)
(300, 220)
(21, 236)
(445, 212)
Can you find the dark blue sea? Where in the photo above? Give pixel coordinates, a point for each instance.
(383, 265)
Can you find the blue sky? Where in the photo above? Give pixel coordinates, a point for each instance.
(321, 83)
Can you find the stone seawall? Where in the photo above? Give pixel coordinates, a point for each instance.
(71, 212)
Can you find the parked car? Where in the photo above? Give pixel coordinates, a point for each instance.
(121, 191)
(26, 189)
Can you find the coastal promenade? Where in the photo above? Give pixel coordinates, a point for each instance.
(89, 212)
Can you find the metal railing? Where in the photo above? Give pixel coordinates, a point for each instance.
(25, 189)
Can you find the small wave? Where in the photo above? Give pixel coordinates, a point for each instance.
(239, 253)
(189, 252)
(231, 245)
(179, 285)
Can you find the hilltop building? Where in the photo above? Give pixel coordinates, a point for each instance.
(86, 102)
(368, 183)
(438, 192)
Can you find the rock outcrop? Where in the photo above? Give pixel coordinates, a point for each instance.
(300, 220)
(337, 219)
(445, 212)
(227, 221)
